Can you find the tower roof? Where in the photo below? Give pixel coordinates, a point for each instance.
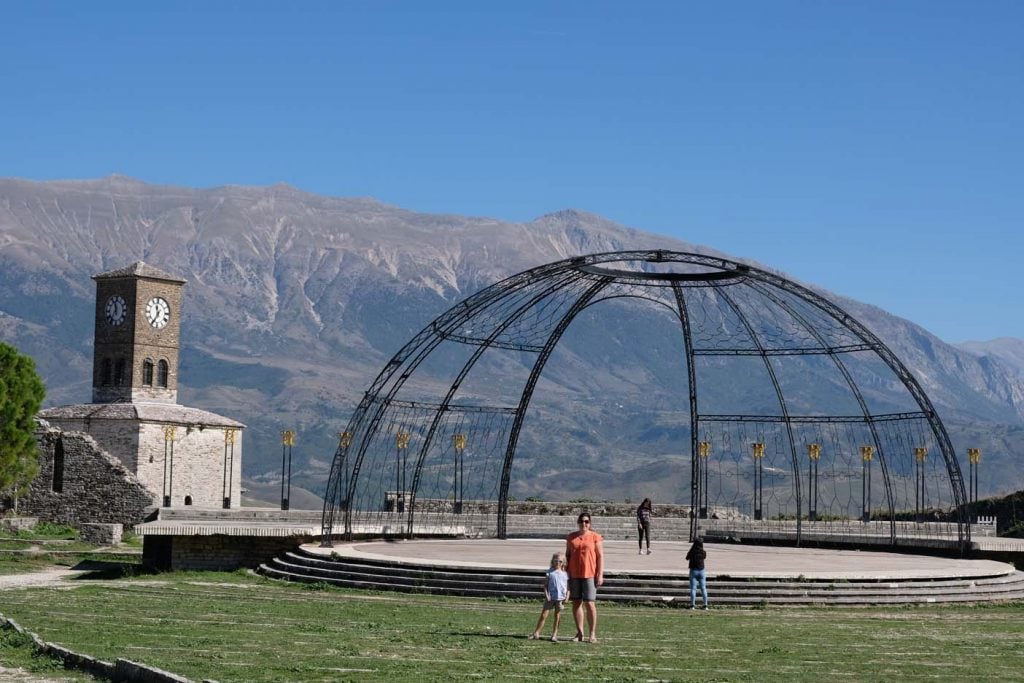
(139, 269)
(170, 413)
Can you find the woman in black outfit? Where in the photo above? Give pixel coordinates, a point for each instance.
(696, 557)
(643, 524)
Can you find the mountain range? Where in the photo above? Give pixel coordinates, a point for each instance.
(295, 302)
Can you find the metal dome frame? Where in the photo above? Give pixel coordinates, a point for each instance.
(505, 316)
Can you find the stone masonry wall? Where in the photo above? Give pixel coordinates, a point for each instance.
(198, 465)
(101, 534)
(119, 438)
(96, 487)
(219, 553)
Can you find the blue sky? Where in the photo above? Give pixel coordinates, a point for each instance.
(873, 147)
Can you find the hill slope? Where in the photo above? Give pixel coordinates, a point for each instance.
(295, 301)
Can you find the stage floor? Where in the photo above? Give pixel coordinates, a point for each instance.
(742, 561)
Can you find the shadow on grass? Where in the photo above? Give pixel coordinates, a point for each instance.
(504, 636)
(105, 570)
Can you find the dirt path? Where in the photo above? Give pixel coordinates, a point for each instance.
(8, 675)
(46, 577)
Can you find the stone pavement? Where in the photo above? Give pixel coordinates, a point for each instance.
(755, 561)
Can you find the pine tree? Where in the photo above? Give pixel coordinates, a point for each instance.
(21, 395)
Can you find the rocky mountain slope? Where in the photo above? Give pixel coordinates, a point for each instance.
(1007, 350)
(295, 301)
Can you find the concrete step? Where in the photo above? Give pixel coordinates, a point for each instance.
(670, 589)
(647, 579)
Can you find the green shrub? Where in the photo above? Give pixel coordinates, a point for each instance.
(54, 531)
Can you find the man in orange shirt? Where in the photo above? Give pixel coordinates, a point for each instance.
(585, 554)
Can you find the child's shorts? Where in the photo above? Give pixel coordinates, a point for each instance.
(553, 605)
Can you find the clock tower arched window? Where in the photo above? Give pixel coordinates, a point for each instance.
(162, 373)
(119, 372)
(147, 372)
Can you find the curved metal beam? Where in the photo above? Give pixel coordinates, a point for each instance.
(782, 404)
(691, 377)
(565, 279)
(417, 349)
(908, 380)
(524, 400)
(868, 418)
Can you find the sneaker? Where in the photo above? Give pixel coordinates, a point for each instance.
(641, 551)
(648, 551)
(705, 608)
(554, 639)
(693, 607)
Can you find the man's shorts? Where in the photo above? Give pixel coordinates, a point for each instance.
(553, 605)
(582, 589)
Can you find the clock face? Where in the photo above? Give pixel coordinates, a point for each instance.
(158, 312)
(115, 310)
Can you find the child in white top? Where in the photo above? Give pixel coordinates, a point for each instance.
(556, 590)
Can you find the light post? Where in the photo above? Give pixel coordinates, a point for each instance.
(704, 451)
(920, 456)
(758, 449)
(169, 432)
(401, 443)
(287, 441)
(229, 465)
(813, 455)
(344, 441)
(867, 454)
(459, 444)
(974, 458)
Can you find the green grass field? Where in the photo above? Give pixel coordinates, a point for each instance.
(18, 556)
(238, 627)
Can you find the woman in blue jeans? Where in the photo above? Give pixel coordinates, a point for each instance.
(696, 557)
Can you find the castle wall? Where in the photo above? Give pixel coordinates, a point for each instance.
(194, 469)
(95, 486)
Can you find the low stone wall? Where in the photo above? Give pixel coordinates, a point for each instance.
(120, 670)
(541, 507)
(15, 524)
(101, 534)
(214, 552)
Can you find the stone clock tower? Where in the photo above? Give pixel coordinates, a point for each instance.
(138, 325)
(183, 456)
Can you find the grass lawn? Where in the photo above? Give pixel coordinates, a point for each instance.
(54, 545)
(16, 654)
(238, 627)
